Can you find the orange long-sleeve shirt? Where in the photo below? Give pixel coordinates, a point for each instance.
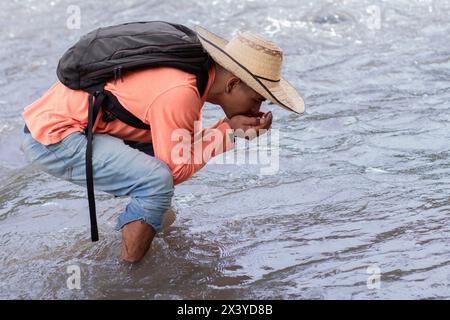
(165, 98)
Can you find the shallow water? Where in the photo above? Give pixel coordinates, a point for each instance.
(363, 177)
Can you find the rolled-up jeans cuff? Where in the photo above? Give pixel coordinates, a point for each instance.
(152, 217)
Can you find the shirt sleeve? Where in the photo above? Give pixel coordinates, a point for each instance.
(177, 134)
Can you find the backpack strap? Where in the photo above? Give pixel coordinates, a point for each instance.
(203, 76)
(113, 109)
(93, 110)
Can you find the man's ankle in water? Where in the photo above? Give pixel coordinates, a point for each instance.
(137, 237)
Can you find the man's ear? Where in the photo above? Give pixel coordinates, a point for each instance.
(232, 83)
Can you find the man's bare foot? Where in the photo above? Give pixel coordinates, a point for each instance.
(169, 218)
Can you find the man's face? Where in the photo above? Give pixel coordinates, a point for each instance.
(241, 99)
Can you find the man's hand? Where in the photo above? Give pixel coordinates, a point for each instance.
(249, 127)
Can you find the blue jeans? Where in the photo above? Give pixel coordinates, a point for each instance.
(118, 169)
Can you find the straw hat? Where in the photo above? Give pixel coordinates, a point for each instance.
(257, 62)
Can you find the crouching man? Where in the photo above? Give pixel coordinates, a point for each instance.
(245, 72)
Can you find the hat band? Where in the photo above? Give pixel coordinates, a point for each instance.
(248, 71)
(265, 78)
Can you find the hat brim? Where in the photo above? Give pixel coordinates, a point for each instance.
(281, 93)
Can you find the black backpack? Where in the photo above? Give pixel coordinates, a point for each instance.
(107, 53)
